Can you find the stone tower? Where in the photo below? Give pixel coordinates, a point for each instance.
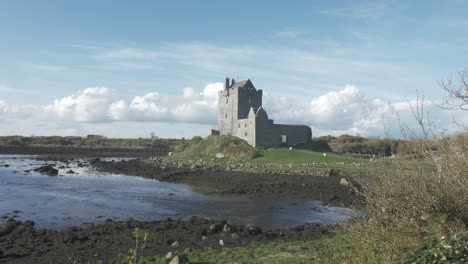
(235, 101)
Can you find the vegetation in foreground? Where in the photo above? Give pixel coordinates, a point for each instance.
(417, 208)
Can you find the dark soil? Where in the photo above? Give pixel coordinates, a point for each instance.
(91, 243)
(326, 189)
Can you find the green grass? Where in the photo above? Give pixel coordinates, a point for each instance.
(313, 251)
(283, 155)
(231, 147)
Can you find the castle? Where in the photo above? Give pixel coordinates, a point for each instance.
(241, 114)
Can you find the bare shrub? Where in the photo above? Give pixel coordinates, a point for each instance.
(420, 193)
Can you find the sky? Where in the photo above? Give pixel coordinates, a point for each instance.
(129, 68)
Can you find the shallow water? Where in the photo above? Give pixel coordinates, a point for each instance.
(91, 196)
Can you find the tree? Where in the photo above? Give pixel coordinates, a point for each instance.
(457, 98)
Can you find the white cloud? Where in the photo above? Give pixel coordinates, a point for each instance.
(89, 105)
(100, 104)
(5, 88)
(348, 110)
(3, 107)
(288, 33)
(128, 53)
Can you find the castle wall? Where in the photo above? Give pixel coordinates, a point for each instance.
(248, 97)
(245, 129)
(294, 134)
(265, 136)
(227, 111)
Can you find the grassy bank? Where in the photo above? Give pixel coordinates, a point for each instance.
(207, 148)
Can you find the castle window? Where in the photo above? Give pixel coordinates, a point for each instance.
(239, 125)
(225, 115)
(245, 133)
(245, 124)
(227, 100)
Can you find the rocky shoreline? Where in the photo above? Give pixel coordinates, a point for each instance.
(239, 183)
(20, 242)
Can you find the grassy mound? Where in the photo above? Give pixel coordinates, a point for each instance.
(231, 147)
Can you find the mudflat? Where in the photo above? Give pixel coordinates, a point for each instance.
(326, 189)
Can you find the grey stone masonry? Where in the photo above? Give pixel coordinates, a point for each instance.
(241, 114)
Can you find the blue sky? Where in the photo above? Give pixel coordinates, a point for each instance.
(96, 66)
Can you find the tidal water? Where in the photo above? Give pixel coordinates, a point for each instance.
(90, 196)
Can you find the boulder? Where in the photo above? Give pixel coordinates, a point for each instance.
(215, 228)
(94, 161)
(169, 256)
(175, 244)
(344, 182)
(219, 155)
(8, 227)
(48, 170)
(175, 260)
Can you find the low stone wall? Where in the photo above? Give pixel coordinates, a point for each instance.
(271, 168)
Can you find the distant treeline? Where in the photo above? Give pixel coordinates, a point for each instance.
(357, 145)
(92, 140)
(347, 144)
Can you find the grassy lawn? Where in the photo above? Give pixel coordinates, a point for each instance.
(284, 155)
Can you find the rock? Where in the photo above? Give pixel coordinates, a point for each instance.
(169, 154)
(169, 256)
(94, 161)
(344, 182)
(254, 230)
(47, 169)
(235, 236)
(215, 228)
(8, 227)
(175, 260)
(175, 244)
(70, 172)
(219, 155)
(221, 242)
(204, 238)
(6, 165)
(228, 229)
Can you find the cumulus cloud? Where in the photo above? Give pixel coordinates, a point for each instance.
(101, 104)
(348, 110)
(89, 105)
(351, 111)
